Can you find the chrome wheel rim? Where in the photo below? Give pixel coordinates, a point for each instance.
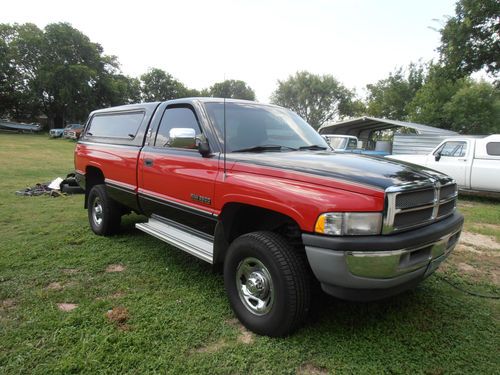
(97, 212)
(255, 286)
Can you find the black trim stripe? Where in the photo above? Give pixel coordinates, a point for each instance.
(178, 206)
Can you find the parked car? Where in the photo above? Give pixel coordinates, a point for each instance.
(349, 143)
(56, 133)
(253, 190)
(73, 131)
(474, 162)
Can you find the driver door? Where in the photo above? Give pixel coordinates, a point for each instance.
(452, 159)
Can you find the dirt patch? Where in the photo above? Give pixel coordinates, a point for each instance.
(8, 304)
(55, 286)
(468, 249)
(245, 336)
(210, 348)
(489, 226)
(467, 268)
(115, 268)
(115, 295)
(70, 271)
(310, 369)
(119, 316)
(479, 241)
(67, 306)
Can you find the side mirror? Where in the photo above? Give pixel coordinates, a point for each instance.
(182, 138)
(437, 156)
(203, 146)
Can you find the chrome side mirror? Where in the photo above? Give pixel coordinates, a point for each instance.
(182, 138)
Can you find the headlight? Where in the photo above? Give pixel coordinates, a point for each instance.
(349, 223)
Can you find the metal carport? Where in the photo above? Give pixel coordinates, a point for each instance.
(424, 141)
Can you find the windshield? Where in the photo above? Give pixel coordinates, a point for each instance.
(338, 143)
(250, 125)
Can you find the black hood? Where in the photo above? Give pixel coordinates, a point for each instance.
(367, 170)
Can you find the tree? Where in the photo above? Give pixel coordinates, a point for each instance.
(470, 40)
(462, 105)
(231, 88)
(474, 109)
(390, 97)
(158, 85)
(317, 99)
(437, 90)
(20, 52)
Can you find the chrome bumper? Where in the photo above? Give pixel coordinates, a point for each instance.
(389, 264)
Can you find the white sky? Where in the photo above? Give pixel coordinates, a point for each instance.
(258, 41)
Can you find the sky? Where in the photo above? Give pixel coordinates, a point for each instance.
(258, 41)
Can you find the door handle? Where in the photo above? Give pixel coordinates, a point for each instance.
(148, 162)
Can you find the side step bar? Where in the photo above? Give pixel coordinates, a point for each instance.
(190, 243)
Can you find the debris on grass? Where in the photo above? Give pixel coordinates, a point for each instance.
(245, 336)
(119, 316)
(115, 268)
(67, 306)
(310, 369)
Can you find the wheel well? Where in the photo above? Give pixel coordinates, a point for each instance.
(237, 219)
(93, 176)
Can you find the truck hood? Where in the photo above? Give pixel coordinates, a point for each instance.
(371, 171)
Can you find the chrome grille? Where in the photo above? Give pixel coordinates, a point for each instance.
(414, 199)
(411, 207)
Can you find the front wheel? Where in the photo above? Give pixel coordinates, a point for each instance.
(267, 283)
(104, 213)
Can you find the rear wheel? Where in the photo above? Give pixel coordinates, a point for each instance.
(267, 283)
(104, 213)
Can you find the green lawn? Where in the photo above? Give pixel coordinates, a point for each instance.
(169, 311)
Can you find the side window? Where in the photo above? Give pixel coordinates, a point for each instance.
(179, 117)
(353, 144)
(117, 125)
(453, 149)
(493, 148)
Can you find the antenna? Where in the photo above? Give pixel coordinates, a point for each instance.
(224, 125)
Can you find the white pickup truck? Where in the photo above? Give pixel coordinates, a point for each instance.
(473, 162)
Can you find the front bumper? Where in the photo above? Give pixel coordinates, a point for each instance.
(374, 267)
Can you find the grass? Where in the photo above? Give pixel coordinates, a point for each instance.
(166, 312)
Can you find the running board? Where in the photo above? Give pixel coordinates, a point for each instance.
(190, 243)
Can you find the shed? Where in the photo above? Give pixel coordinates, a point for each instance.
(425, 139)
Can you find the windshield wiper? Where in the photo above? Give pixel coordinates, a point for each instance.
(265, 148)
(312, 147)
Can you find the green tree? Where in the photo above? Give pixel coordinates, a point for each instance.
(231, 88)
(20, 53)
(470, 40)
(474, 109)
(158, 85)
(390, 97)
(317, 99)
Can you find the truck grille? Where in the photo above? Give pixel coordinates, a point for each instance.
(411, 208)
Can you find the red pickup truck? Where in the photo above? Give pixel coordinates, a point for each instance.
(253, 189)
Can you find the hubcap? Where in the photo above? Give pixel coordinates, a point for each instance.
(255, 286)
(97, 211)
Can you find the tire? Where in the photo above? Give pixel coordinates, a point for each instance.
(103, 212)
(267, 283)
(70, 189)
